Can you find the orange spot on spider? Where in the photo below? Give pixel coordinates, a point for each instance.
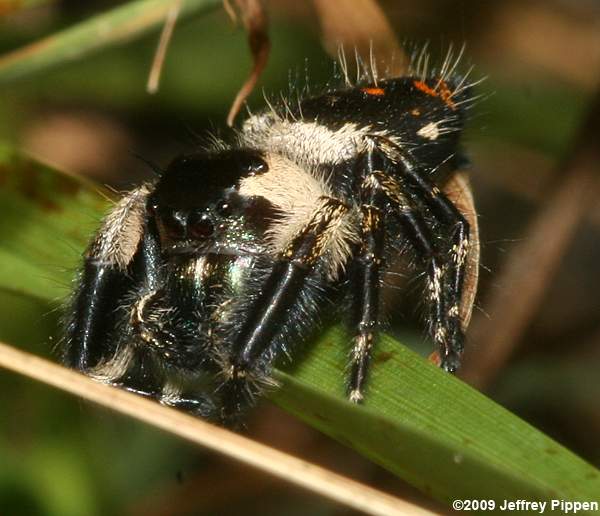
(415, 112)
(377, 92)
(441, 90)
(435, 358)
(446, 95)
(421, 86)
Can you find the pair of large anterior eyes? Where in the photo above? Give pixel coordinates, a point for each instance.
(191, 224)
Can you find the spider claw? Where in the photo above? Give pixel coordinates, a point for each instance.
(356, 396)
(451, 362)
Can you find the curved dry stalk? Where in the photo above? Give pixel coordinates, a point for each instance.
(254, 18)
(163, 45)
(291, 469)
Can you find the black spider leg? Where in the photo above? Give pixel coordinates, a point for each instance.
(98, 335)
(418, 232)
(456, 229)
(163, 327)
(365, 280)
(283, 287)
(121, 264)
(447, 278)
(91, 338)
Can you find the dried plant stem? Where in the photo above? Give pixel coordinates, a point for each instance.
(291, 469)
(254, 18)
(535, 260)
(163, 45)
(103, 30)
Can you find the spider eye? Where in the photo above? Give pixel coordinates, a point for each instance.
(223, 208)
(199, 226)
(172, 222)
(252, 163)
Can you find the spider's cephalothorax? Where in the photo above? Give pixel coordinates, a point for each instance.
(194, 285)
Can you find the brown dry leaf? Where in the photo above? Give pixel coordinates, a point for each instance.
(361, 26)
(458, 190)
(254, 18)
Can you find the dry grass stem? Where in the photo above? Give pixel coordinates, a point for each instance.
(535, 260)
(286, 467)
(254, 18)
(163, 45)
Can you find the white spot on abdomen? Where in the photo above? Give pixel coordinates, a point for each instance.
(431, 131)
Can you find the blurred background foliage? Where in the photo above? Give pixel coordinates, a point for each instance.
(93, 117)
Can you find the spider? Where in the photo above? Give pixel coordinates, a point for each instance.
(196, 283)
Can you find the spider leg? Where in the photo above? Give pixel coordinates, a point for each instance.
(270, 313)
(378, 188)
(437, 279)
(140, 378)
(118, 312)
(419, 233)
(447, 263)
(105, 281)
(456, 229)
(365, 282)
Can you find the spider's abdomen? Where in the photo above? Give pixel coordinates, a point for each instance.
(422, 117)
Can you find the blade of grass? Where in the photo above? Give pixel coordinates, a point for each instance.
(433, 430)
(424, 425)
(101, 31)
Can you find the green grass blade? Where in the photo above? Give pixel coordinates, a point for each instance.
(101, 31)
(420, 423)
(433, 430)
(46, 222)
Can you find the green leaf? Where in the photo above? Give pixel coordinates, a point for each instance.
(420, 423)
(115, 26)
(46, 221)
(433, 430)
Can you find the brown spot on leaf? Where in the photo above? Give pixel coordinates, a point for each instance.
(383, 357)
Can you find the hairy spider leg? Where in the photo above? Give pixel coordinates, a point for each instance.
(121, 319)
(457, 229)
(383, 188)
(92, 336)
(366, 279)
(267, 316)
(447, 278)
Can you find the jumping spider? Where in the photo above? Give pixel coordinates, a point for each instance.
(196, 283)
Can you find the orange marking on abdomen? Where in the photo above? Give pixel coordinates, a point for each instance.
(378, 92)
(446, 95)
(441, 90)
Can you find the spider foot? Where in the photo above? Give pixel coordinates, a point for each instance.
(355, 396)
(451, 362)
